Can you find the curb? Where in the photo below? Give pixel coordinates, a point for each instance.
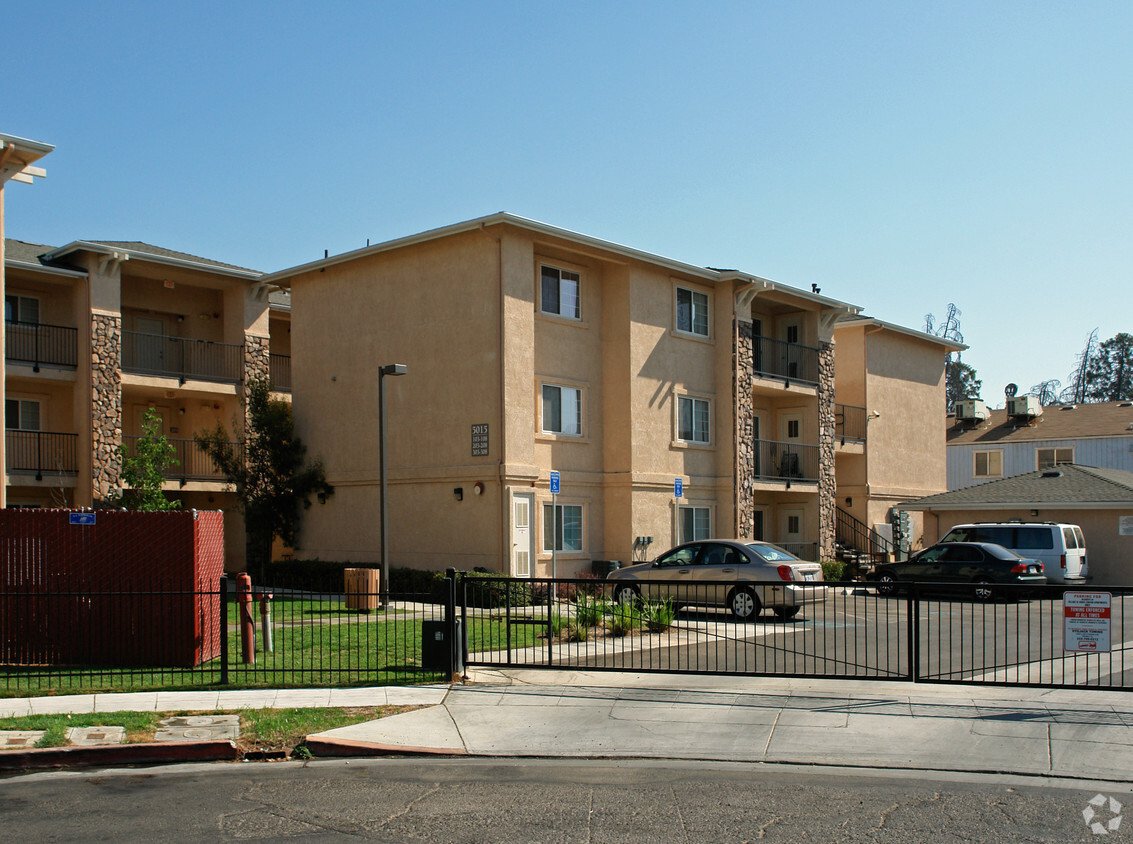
(119, 754)
(328, 747)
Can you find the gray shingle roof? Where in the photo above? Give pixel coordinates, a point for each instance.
(24, 252)
(1100, 419)
(161, 252)
(1063, 485)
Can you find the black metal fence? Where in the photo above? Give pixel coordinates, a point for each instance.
(279, 367)
(849, 423)
(140, 638)
(41, 452)
(192, 464)
(780, 461)
(205, 360)
(41, 344)
(780, 359)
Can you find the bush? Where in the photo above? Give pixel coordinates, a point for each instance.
(589, 611)
(624, 619)
(833, 570)
(658, 615)
(578, 633)
(328, 577)
(490, 591)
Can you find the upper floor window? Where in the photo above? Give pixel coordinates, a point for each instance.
(560, 292)
(989, 464)
(21, 414)
(692, 312)
(21, 309)
(562, 410)
(1048, 458)
(693, 420)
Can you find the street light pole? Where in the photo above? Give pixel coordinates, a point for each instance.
(383, 516)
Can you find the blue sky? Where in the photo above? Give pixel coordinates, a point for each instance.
(900, 155)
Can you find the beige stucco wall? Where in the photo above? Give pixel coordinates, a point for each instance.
(1108, 554)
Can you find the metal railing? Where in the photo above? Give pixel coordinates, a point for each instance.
(779, 461)
(204, 360)
(41, 453)
(41, 345)
(802, 550)
(849, 423)
(780, 359)
(280, 372)
(858, 537)
(192, 463)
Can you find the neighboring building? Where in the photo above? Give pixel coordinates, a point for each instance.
(99, 332)
(889, 382)
(531, 348)
(1098, 434)
(1100, 501)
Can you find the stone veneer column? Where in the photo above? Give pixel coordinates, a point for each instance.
(827, 485)
(106, 404)
(742, 356)
(257, 357)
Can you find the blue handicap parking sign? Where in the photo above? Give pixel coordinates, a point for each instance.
(678, 487)
(555, 483)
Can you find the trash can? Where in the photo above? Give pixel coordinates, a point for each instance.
(437, 652)
(362, 588)
(601, 568)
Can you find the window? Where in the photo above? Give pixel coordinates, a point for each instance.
(562, 410)
(559, 293)
(792, 429)
(696, 524)
(693, 420)
(793, 525)
(21, 414)
(1048, 458)
(567, 533)
(692, 312)
(989, 464)
(21, 309)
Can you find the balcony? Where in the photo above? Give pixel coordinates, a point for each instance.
(177, 357)
(41, 452)
(790, 361)
(280, 372)
(849, 423)
(41, 345)
(803, 550)
(778, 461)
(192, 463)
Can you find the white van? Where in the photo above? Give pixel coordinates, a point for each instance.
(1060, 548)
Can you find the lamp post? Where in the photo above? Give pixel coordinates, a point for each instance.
(383, 517)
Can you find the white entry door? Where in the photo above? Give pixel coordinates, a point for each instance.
(522, 537)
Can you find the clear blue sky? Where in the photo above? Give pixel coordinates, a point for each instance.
(900, 155)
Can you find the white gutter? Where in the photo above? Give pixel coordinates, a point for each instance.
(139, 255)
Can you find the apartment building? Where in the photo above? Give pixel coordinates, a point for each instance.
(674, 401)
(97, 334)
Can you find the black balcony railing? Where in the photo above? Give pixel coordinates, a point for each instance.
(802, 550)
(192, 463)
(281, 373)
(41, 453)
(849, 423)
(41, 345)
(786, 461)
(860, 539)
(203, 360)
(789, 361)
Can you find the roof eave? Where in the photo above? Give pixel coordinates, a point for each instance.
(40, 268)
(149, 257)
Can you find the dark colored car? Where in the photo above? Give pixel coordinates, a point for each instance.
(979, 563)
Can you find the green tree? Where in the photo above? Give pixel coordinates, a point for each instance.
(1109, 371)
(272, 478)
(143, 472)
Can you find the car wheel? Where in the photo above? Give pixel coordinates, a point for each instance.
(786, 613)
(627, 595)
(984, 591)
(887, 583)
(744, 604)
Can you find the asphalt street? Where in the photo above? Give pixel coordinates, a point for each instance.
(423, 800)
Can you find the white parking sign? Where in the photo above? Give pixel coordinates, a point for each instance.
(1086, 621)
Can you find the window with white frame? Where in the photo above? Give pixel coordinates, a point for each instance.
(696, 523)
(562, 410)
(560, 292)
(693, 420)
(989, 464)
(21, 309)
(692, 312)
(21, 414)
(565, 532)
(1048, 458)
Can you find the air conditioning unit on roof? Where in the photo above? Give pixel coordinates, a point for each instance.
(971, 410)
(1025, 407)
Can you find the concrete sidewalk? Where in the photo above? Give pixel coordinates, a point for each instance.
(1053, 732)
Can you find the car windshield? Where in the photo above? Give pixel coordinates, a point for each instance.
(772, 554)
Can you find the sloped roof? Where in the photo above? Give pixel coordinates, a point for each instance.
(24, 252)
(1057, 422)
(1066, 485)
(862, 319)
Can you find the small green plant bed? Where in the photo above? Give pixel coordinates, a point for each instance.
(260, 729)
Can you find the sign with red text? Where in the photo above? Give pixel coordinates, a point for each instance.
(1086, 621)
